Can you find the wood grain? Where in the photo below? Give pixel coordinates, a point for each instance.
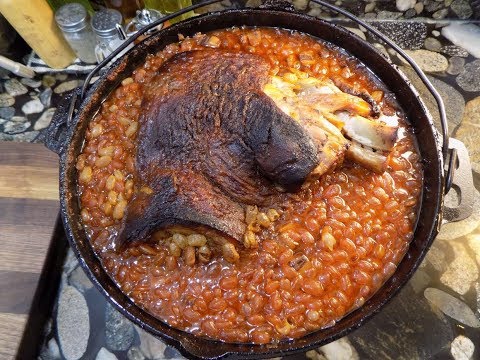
(28, 210)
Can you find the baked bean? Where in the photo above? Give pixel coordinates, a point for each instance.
(329, 251)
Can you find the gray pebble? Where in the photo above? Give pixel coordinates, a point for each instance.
(73, 324)
(370, 16)
(50, 351)
(15, 87)
(388, 15)
(172, 353)
(410, 13)
(12, 127)
(28, 136)
(454, 50)
(45, 97)
(455, 65)
(436, 33)
(408, 34)
(432, 6)
(32, 107)
(66, 86)
(6, 100)
(461, 8)
(134, 353)
(7, 112)
(440, 14)
(432, 44)
(77, 277)
(468, 134)
(104, 354)
(31, 82)
(119, 331)
(48, 81)
(451, 306)
(469, 78)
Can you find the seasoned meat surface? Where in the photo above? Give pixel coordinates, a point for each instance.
(211, 142)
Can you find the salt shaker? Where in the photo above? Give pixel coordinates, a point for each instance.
(105, 24)
(72, 19)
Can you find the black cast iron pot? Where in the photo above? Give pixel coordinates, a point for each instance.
(68, 145)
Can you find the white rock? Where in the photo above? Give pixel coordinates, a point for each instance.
(465, 36)
(104, 354)
(341, 349)
(436, 257)
(151, 347)
(45, 119)
(419, 8)
(32, 107)
(474, 243)
(66, 86)
(452, 307)
(300, 4)
(73, 324)
(369, 7)
(462, 348)
(358, 32)
(454, 230)
(461, 272)
(314, 355)
(428, 61)
(404, 5)
(435, 33)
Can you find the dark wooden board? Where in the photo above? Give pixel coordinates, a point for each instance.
(28, 212)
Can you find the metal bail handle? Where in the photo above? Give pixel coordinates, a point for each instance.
(420, 73)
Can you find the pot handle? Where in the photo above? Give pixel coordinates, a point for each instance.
(55, 135)
(131, 39)
(460, 179)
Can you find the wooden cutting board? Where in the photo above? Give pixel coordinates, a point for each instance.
(28, 211)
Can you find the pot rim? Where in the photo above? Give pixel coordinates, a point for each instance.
(187, 343)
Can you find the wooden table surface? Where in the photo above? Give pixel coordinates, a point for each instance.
(28, 211)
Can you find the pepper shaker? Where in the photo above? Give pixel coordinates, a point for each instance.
(106, 24)
(72, 19)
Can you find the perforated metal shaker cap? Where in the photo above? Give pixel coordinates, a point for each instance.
(104, 21)
(71, 17)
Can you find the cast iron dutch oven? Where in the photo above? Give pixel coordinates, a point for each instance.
(68, 144)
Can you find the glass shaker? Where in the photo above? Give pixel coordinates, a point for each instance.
(105, 24)
(72, 19)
